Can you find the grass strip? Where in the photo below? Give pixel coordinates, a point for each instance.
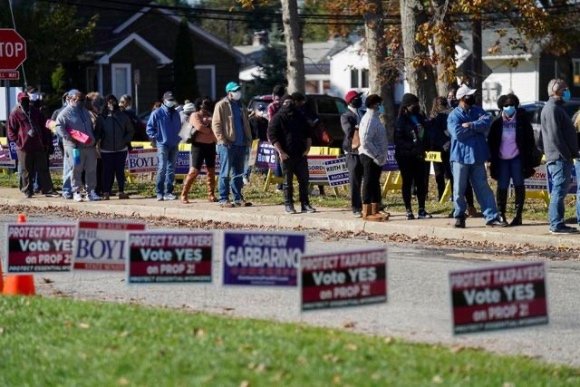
(64, 342)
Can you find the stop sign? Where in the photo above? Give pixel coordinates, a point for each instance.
(12, 49)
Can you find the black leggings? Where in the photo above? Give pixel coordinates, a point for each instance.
(413, 170)
(371, 182)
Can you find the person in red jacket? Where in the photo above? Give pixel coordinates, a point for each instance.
(26, 129)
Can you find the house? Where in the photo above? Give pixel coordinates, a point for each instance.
(134, 50)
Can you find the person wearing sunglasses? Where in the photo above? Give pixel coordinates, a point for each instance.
(559, 143)
(511, 145)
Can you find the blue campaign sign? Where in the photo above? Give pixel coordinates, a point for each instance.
(182, 163)
(262, 259)
(337, 172)
(266, 156)
(391, 164)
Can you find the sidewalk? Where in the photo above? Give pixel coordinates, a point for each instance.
(340, 220)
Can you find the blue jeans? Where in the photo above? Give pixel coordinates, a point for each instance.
(166, 157)
(232, 160)
(67, 171)
(560, 171)
(475, 173)
(577, 168)
(510, 169)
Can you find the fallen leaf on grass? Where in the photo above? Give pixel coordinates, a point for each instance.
(1, 330)
(457, 348)
(84, 326)
(47, 280)
(122, 382)
(349, 325)
(508, 384)
(245, 383)
(437, 379)
(351, 347)
(336, 379)
(198, 332)
(389, 340)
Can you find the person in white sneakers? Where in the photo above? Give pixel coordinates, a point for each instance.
(79, 147)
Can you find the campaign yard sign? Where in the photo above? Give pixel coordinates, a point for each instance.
(538, 181)
(499, 298)
(100, 245)
(343, 279)
(337, 172)
(316, 169)
(169, 257)
(391, 164)
(262, 259)
(266, 156)
(37, 248)
(142, 160)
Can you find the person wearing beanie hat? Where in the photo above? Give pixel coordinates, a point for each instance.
(411, 142)
(25, 127)
(373, 151)
(231, 128)
(469, 126)
(349, 122)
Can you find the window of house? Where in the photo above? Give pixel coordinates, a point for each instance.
(121, 79)
(91, 82)
(206, 80)
(364, 78)
(354, 78)
(576, 76)
(359, 78)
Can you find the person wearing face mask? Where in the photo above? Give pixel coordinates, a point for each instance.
(468, 126)
(511, 145)
(114, 131)
(411, 139)
(232, 130)
(81, 154)
(291, 135)
(373, 151)
(25, 127)
(559, 143)
(163, 127)
(277, 93)
(349, 121)
(203, 144)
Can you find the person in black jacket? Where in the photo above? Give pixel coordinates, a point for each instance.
(291, 135)
(512, 148)
(411, 141)
(349, 122)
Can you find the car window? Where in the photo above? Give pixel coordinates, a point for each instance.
(341, 106)
(327, 106)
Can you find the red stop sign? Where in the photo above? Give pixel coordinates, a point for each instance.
(12, 49)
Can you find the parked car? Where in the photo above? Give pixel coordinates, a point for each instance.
(534, 110)
(327, 108)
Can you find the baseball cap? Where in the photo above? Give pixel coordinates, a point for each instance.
(189, 107)
(350, 95)
(463, 91)
(168, 95)
(232, 86)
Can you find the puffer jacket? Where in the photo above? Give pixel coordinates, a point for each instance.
(114, 131)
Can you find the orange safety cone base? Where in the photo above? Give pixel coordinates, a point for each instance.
(1, 278)
(19, 285)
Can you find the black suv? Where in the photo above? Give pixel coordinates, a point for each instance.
(534, 111)
(327, 108)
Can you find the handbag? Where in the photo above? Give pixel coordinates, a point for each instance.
(355, 140)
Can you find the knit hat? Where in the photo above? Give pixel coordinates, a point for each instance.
(168, 96)
(352, 94)
(409, 99)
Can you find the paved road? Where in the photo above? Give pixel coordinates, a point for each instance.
(418, 308)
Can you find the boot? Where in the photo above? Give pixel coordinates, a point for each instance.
(370, 213)
(187, 183)
(501, 198)
(211, 185)
(376, 210)
(520, 191)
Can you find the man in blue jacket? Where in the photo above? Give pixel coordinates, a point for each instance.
(163, 127)
(468, 126)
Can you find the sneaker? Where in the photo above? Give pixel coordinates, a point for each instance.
(169, 196)
(459, 223)
(93, 197)
(496, 222)
(564, 230)
(308, 208)
(106, 196)
(410, 215)
(159, 197)
(245, 180)
(51, 194)
(424, 214)
(242, 203)
(77, 197)
(28, 195)
(357, 214)
(226, 204)
(123, 195)
(67, 195)
(289, 209)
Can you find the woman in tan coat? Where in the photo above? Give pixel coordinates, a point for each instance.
(203, 143)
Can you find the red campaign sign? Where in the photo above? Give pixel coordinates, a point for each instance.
(169, 257)
(100, 245)
(12, 49)
(39, 248)
(343, 279)
(499, 298)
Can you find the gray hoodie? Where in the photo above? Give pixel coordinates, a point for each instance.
(79, 118)
(557, 136)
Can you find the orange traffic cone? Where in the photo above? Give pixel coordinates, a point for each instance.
(1, 278)
(22, 285)
(19, 285)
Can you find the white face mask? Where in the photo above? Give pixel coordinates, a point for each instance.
(236, 95)
(169, 103)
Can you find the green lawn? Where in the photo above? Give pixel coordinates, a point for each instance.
(46, 342)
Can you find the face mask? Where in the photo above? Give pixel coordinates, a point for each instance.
(169, 104)
(356, 103)
(381, 109)
(206, 106)
(509, 110)
(469, 100)
(415, 109)
(566, 96)
(25, 104)
(111, 107)
(236, 95)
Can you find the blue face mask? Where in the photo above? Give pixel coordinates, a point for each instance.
(566, 96)
(381, 109)
(509, 110)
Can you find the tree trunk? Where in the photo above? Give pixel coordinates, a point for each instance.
(293, 39)
(418, 74)
(476, 57)
(442, 52)
(379, 82)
